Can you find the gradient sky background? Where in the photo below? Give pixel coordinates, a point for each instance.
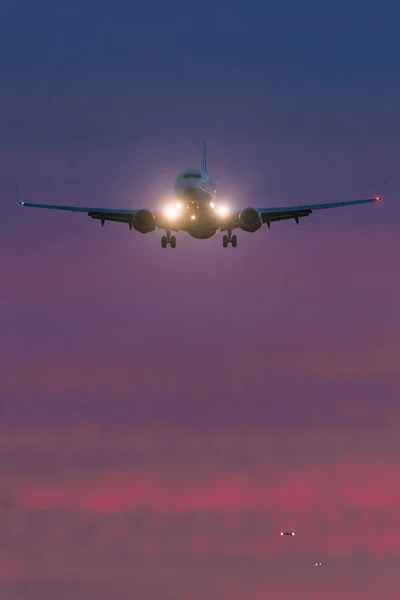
(173, 411)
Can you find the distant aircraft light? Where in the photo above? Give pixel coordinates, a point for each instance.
(378, 198)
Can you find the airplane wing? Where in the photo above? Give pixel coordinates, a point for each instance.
(270, 215)
(104, 214)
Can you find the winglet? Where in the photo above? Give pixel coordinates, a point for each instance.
(378, 198)
(17, 194)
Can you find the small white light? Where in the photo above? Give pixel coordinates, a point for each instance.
(193, 217)
(212, 204)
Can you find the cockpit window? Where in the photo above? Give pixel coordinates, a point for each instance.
(189, 175)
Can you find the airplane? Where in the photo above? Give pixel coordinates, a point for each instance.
(196, 210)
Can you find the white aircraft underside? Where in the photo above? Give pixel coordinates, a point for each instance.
(195, 209)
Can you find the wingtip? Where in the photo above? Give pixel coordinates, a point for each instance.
(17, 195)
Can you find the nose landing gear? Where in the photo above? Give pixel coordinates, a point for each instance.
(229, 239)
(168, 239)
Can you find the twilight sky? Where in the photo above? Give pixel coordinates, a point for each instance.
(173, 411)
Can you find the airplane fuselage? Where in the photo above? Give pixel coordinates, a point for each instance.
(195, 191)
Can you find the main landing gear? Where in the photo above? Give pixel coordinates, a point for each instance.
(168, 239)
(229, 239)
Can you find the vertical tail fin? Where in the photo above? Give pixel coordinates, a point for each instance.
(204, 156)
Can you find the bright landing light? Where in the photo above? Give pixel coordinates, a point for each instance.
(172, 211)
(223, 211)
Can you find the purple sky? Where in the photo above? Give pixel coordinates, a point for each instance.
(173, 411)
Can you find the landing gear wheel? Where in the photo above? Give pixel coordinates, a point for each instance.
(229, 239)
(173, 242)
(164, 241)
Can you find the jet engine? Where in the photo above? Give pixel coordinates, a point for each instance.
(144, 221)
(250, 220)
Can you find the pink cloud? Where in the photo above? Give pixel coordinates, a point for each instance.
(199, 506)
(10, 570)
(346, 504)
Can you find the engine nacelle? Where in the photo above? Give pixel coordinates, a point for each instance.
(250, 220)
(144, 221)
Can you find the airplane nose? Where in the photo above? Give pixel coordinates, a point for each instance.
(184, 184)
(192, 192)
